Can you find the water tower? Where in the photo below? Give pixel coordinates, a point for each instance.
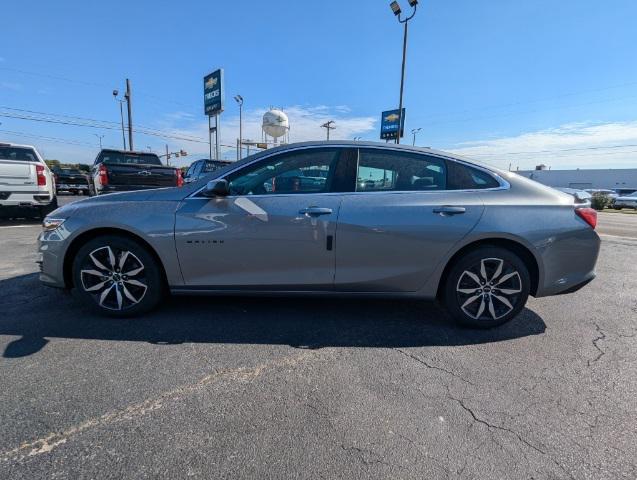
(276, 125)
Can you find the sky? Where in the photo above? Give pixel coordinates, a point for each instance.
(512, 83)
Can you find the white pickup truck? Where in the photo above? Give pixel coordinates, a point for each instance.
(26, 183)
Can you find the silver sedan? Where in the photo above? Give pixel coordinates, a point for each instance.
(329, 218)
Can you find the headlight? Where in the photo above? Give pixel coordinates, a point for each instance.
(50, 224)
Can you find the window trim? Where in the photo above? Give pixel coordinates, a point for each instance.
(504, 185)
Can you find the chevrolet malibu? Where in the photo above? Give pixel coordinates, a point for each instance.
(333, 219)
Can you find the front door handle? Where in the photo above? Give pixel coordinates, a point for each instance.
(315, 211)
(445, 210)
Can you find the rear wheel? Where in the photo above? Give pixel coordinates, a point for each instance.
(487, 287)
(117, 276)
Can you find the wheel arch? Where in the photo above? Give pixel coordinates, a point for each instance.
(89, 235)
(529, 259)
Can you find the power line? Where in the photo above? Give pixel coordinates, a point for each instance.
(557, 150)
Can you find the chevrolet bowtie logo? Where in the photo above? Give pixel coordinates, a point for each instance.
(211, 82)
(144, 172)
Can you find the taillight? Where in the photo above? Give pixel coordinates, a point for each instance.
(39, 170)
(103, 175)
(180, 178)
(589, 215)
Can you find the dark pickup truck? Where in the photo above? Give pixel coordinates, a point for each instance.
(120, 171)
(71, 180)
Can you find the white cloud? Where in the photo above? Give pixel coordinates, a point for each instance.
(575, 145)
(305, 125)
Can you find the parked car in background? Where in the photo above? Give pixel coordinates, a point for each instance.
(628, 201)
(121, 171)
(428, 225)
(581, 197)
(200, 168)
(71, 180)
(626, 192)
(26, 182)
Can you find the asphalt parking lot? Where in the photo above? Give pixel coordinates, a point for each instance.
(272, 388)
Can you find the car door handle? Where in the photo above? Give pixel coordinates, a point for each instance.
(315, 211)
(449, 210)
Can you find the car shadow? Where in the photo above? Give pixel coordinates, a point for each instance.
(36, 313)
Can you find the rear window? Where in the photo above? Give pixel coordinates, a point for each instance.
(463, 177)
(120, 158)
(18, 154)
(68, 171)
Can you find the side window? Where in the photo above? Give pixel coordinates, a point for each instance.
(464, 177)
(387, 170)
(305, 171)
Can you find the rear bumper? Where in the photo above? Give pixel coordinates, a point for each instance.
(568, 262)
(72, 186)
(578, 286)
(129, 188)
(34, 198)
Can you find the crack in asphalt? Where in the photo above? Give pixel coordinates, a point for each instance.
(595, 341)
(434, 367)
(491, 426)
(53, 440)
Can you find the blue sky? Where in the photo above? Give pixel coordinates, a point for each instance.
(504, 81)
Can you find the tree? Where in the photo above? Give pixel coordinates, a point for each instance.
(53, 163)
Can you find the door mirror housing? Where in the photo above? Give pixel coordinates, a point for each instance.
(216, 188)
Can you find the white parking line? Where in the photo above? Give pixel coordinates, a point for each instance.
(19, 226)
(618, 239)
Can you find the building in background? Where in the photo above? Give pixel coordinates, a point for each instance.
(607, 178)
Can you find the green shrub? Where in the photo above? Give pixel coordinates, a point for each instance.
(600, 201)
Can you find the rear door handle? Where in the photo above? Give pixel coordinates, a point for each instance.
(315, 211)
(449, 210)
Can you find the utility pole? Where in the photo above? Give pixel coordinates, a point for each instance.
(328, 126)
(130, 115)
(167, 156)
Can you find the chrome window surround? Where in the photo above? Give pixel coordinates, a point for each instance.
(504, 185)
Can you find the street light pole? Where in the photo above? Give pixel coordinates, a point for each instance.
(100, 138)
(130, 114)
(239, 100)
(414, 132)
(397, 11)
(121, 115)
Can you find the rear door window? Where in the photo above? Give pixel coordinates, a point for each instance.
(388, 170)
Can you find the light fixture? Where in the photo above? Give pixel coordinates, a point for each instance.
(413, 3)
(238, 99)
(395, 8)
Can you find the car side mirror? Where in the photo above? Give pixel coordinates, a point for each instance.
(216, 188)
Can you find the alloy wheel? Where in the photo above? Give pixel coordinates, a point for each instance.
(489, 290)
(115, 278)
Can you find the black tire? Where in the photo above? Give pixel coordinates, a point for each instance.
(46, 209)
(466, 281)
(146, 286)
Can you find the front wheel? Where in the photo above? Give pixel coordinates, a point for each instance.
(487, 287)
(117, 276)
